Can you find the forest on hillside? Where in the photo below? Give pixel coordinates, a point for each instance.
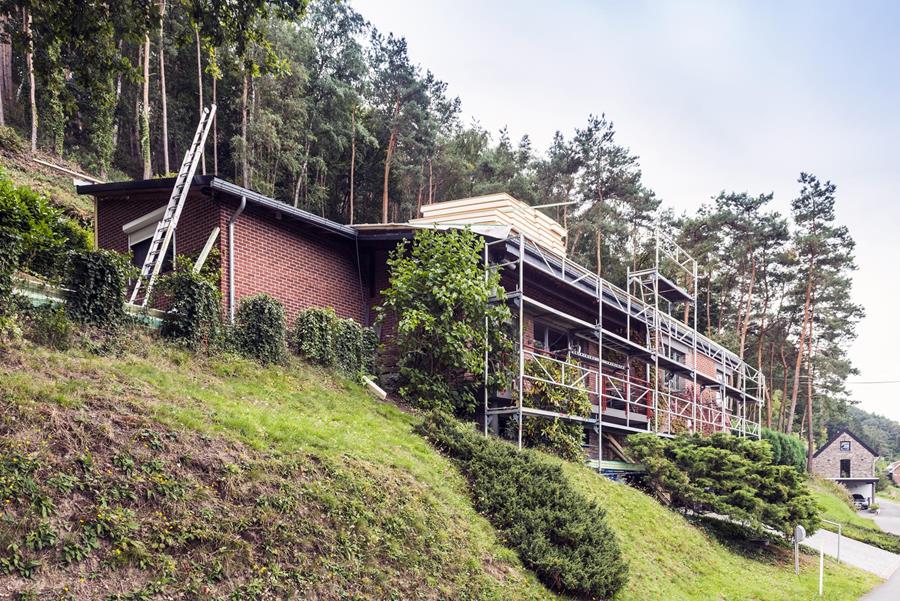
(320, 110)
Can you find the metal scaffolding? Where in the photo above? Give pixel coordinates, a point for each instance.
(643, 369)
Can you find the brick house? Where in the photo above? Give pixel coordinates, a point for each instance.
(849, 461)
(630, 352)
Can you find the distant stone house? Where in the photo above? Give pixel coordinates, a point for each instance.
(849, 461)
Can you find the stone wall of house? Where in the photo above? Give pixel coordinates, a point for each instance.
(828, 463)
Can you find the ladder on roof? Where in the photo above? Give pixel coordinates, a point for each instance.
(165, 229)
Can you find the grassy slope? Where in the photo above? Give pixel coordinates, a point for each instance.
(671, 559)
(372, 469)
(835, 505)
(388, 516)
(56, 185)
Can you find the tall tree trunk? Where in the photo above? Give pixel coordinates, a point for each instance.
(215, 132)
(419, 198)
(745, 320)
(145, 111)
(162, 88)
(389, 156)
(352, 160)
(245, 175)
(6, 82)
(304, 171)
(430, 182)
(115, 132)
(29, 65)
(768, 391)
(811, 439)
(200, 99)
(796, 388)
(709, 304)
(784, 389)
(135, 142)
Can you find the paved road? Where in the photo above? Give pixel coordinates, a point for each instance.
(865, 557)
(889, 591)
(888, 518)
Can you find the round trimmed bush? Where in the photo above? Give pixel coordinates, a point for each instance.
(259, 329)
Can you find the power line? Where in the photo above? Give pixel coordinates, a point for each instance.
(873, 382)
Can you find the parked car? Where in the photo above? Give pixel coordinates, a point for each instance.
(860, 501)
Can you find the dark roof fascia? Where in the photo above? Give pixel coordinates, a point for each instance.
(384, 236)
(225, 187)
(851, 435)
(256, 198)
(140, 185)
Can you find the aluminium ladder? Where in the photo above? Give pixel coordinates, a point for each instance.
(165, 229)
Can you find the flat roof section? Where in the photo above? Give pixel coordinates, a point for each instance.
(671, 291)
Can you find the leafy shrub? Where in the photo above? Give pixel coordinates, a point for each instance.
(442, 298)
(321, 337)
(34, 236)
(787, 449)
(194, 314)
(11, 141)
(48, 325)
(97, 281)
(312, 337)
(259, 329)
(350, 349)
(557, 533)
(557, 436)
(10, 247)
(728, 475)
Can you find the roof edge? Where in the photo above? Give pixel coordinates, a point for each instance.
(226, 187)
(851, 435)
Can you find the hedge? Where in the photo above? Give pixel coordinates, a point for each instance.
(34, 235)
(787, 449)
(260, 330)
(194, 314)
(727, 475)
(558, 533)
(321, 337)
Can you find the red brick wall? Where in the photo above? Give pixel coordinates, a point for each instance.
(300, 268)
(198, 218)
(706, 365)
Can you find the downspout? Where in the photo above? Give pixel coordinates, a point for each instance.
(234, 217)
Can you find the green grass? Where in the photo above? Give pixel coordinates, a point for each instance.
(670, 559)
(56, 185)
(892, 493)
(377, 512)
(835, 505)
(388, 515)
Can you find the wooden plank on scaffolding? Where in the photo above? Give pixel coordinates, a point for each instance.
(498, 209)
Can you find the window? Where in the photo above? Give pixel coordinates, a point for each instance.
(845, 468)
(845, 445)
(675, 354)
(550, 338)
(140, 233)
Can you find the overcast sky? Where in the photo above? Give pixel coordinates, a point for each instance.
(712, 95)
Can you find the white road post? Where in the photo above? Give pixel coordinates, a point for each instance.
(821, 566)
